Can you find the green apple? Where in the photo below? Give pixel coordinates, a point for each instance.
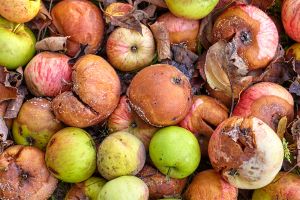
(124, 188)
(88, 189)
(191, 9)
(17, 44)
(175, 152)
(120, 154)
(19, 11)
(35, 123)
(71, 155)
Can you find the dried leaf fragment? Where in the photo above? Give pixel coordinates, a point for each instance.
(161, 35)
(52, 44)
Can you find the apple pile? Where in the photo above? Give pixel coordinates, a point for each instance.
(154, 99)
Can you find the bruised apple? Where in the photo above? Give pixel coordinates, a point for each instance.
(160, 94)
(181, 30)
(24, 175)
(246, 151)
(159, 185)
(290, 18)
(266, 101)
(82, 21)
(208, 185)
(254, 34)
(48, 74)
(129, 50)
(125, 119)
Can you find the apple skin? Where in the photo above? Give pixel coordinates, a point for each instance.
(71, 155)
(17, 44)
(19, 11)
(175, 152)
(192, 9)
(124, 188)
(290, 18)
(120, 154)
(128, 50)
(48, 74)
(35, 123)
(293, 51)
(88, 189)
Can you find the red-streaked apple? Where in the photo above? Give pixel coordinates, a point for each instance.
(290, 18)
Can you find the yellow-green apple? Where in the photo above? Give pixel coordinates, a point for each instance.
(175, 151)
(71, 155)
(17, 44)
(246, 151)
(124, 188)
(192, 9)
(35, 123)
(88, 189)
(128, 50)
(48, 74)
(19, 11)
(24, 175)
(120, 154)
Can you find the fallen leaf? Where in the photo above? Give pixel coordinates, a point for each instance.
(107, 2)
(281, 128)
(14, 105)
(263, 4)
(52, 44)
(296, 134)
(182, 55)
(161, 35)
(295, 88)
(7, 93)
(159, 3)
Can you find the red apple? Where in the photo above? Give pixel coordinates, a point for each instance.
(266, 101)
(290, 18)
(82, 21)
(128, 50)
(254, 34)
(209, 185)
(125, 119)
(246, 151)
(181, 30)
(48, 74)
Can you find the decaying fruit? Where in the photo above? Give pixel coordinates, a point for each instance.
(208, 185)
(254, 34)
(117, 9)
(266, 101)
(35, 123)
(159, 185)
(82, 21)
(24, 175)
(96, 93)
(246, 151)
(156, 90)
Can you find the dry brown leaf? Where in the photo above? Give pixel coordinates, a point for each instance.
(15, 104)
(296, 134)
(184, 56)
(7, 93)
(161, 35)
(107, 2)
(42, 20)
(159, 3)
(52, 44)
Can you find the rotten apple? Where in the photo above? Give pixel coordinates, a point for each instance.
(128, 50)
(48, 74)
(125, 119)
(266, 101)
(246, 151)
(181, 30)
(156, 90)
(24, 175)
(208, 185)
(82, 21)
(252, 31)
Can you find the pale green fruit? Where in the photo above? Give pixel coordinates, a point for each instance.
(17, 44)
(124, 188)
(71, 155)
(175, 152)
(120, 154)
(191, 9)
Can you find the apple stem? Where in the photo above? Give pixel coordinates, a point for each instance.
(168, 174)
(16, 28)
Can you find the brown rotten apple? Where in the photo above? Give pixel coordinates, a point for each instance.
(266, 101)
(96, 92)
(255, 34)
(208, 185)
(181, 30)
(159, 185)
(82, 21)
(128, 50)
(125, 119)
(246, 151)
(160, 94)
(24, 175)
